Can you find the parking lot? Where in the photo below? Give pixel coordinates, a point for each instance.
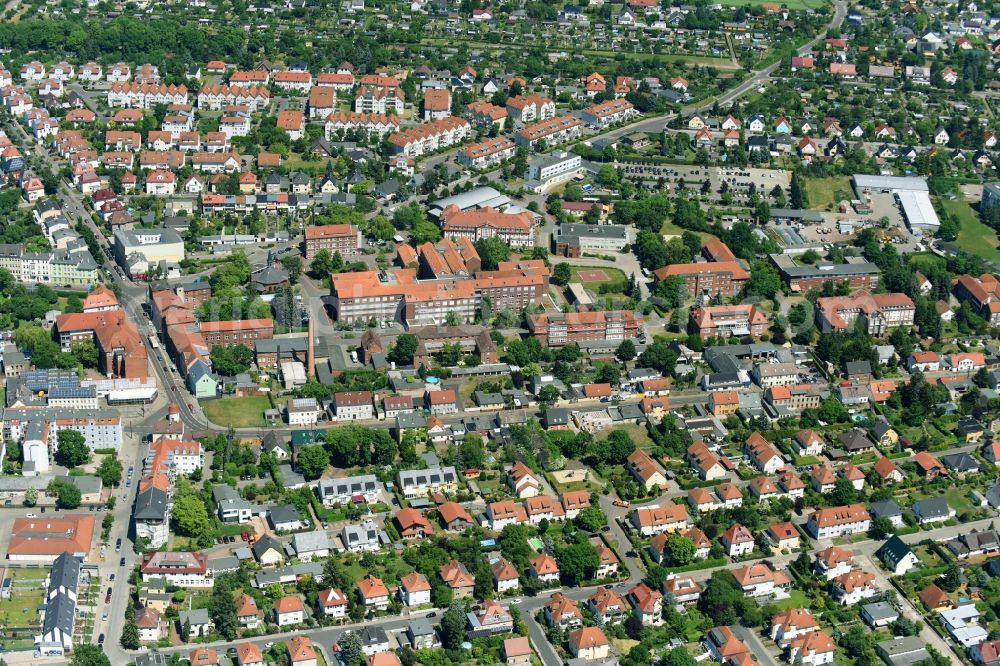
(737, 179)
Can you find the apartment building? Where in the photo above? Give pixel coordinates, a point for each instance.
(294, 80)
(342, 238)
(145, 95)
(177, 568)
(217, 96)
(838, 521)
(611, 112)
(856, 273)
(428, 137)
(723, 321)
(487, 153)
(530, 108)
(708, 279)
(553, 131)
(422, 482)
(378, 99)
(483, 114)
(121, 352)
(877, 312)
(561, 328)
(372, 124)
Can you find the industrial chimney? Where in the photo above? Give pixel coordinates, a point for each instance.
(310, 354)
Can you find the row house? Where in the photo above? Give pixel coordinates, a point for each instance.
(162, 159)
(762, 454)
(611, 112)
(373, 124)
(62, 71)
(215, 97)
(257, 77)
(723, 496)
(51, 88)
(487, 153)
(146, 95)
(429, 137)
(215, 162)
(646, 471)
(552, 131)
(707, 465)
(378, 99)
(793, 398)
(339, 81)
(653, 520)
(176, 123)
(297, 81)
(33, 71)
(127, 141)
(41, 123)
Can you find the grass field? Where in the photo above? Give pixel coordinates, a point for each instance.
(796, 599)
(21, 609)
(974, 237)
(616, 279)
(237, 412)
(825, 193)
(636, 433)
(671, 229)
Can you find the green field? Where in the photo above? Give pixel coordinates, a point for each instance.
(21, 610)
(974, 237)
(238, 412)
(616, 279)
(826, 193)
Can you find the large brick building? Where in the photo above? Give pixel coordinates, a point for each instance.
(727, 320)
(343, 238)
(559, 328)
(877, 312)
(856, 273)
(723, 278)
(121, 352)
(244, 331)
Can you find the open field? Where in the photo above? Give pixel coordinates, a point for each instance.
(238, 412)
(825, 193)
(636, 433)
(593, 282)
(974, 237)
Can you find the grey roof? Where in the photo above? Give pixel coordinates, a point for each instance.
(84, 483)
(195, 617)
(867, 182)
(285, 513)
(880, 610)
(150, 659)
(556, 416)
(903, 651)
(264, 544)
(271, 440)
(420, 627)
(479, 197)
(350, 485)
(373, 635)
(223, 564)
(151, 504)
(960, 462)
(854, 440)
(572, 233)
(886, 509)
(65, 573)
(290, 477)
(310, 541)
(894, 549)
(933, 507)
(858, 367)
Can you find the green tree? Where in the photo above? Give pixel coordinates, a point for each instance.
(548, 394)
(882, 528)
(679, 657)
(312, 460)
(350, 648)
(322, 264)
(189, 515)
(72, 448)
(403, 350)
(67, 495)
(452, 627)
(130, 636)
(492, 251)
(222, 608)
(85, 352)
(626, 351)
(425, 232)
(231, 360)
(681, 549)
(578, 562)
(89, 655)
(591, 519)
(30, 497)
(561, 274)
(764, 280)
(110, 471)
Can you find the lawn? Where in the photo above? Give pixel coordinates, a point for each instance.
(671, 229)
(957, 499)
(238, 412)
(20, 611)
(826, 193)
(636, 433)
(615, 284)
(974, 237)
(796, 599)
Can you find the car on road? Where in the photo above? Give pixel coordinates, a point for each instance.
(105, 616)
(268, 645)
(121, 563)
(516, 600)
(111, 577)
(432, 614)
(30, 515)
(100, 639)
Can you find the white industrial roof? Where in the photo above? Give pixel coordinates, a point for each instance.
(918, 210)
(894, 183)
